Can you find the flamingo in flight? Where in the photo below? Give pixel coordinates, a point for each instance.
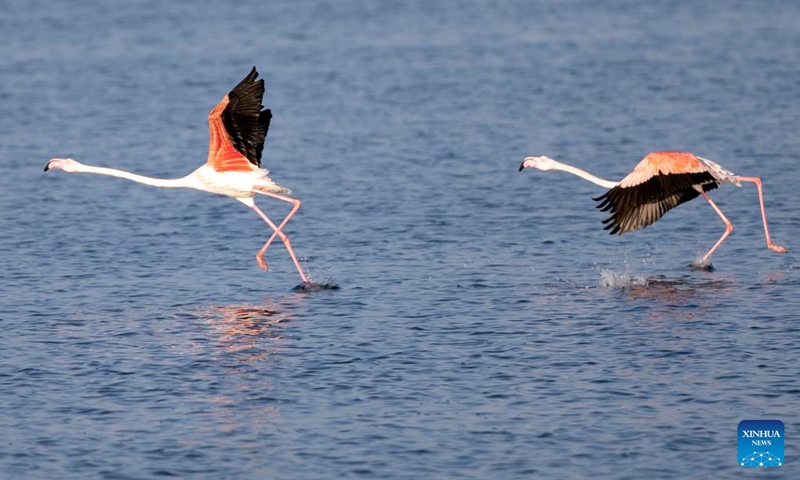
(659, 183)
(237, 130)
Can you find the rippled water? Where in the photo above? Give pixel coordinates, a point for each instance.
(484, 326)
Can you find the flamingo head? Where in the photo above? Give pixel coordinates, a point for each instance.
(66, 164)
(542, 163)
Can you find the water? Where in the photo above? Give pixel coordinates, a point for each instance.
(485, 325)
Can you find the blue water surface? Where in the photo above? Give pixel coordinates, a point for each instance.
(485, 326)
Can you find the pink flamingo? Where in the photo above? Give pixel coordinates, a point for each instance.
(238, 127)
(659, 183)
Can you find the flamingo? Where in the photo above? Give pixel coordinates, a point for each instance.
(659, 183)
(237, 130)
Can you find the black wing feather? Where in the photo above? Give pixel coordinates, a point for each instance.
(636, 207)
(245, 121)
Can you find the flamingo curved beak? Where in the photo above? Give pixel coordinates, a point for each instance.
(53, 163)
(530, 162)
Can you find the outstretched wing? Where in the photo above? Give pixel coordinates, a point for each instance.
(238, 127)
(659, 183)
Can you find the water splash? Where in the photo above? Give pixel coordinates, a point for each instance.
(702, 265)
(620, 279)
(312, 286)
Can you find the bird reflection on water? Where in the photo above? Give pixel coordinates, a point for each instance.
(665, 289)
(661, 286)
(242, 341)
(683, 291)
(246, 329)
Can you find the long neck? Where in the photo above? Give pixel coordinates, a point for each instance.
(584, 175)
(184, 182)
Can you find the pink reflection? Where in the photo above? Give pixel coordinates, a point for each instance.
(683, 299)
(242, 338)
(250, 330)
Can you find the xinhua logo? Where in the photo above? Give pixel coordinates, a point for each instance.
(761, 443)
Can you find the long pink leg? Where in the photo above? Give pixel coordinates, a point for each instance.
(757, 181)
(728, 227)
(259, 255)
(279, 232)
